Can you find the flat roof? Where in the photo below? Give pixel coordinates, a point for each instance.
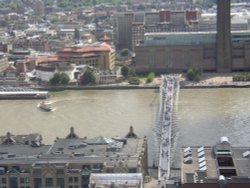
(192, 33)
(241, 164)
(62, 151)
(22, 92)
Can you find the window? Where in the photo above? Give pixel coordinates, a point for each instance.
(49, 182)
(95, 166)
(76, 179)
(3, 180)
(70, 179)
(13, 182)
(60, 182)
(37, 182)
(21, 180)
(132, 170)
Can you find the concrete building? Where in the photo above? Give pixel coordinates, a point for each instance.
(220, 166)
(38, 43)
(3, 62)
(46, 72)
(69, 162)
(123, 30)
(129, 28)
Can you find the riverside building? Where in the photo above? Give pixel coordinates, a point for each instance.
(221, 51)
(69, 162)
(3, 62)
(98, 55)
(176, 52)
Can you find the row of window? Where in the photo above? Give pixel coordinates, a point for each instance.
(38, 182)
(22, 180)
(92, 61)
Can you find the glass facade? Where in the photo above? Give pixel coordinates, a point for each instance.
(184, 38)
(191, 38)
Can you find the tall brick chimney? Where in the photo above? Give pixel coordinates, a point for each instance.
(223, 40)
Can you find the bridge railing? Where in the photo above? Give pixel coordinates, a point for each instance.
(168, 88)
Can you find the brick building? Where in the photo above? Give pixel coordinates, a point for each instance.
(100, 56)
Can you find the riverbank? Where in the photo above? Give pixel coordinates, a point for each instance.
(98, 87)
(192, 85)
(209, 80)
(214, 80)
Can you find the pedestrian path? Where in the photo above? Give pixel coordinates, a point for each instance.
(168, 88)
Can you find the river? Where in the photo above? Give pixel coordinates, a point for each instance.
(91, 112)
(201, 116)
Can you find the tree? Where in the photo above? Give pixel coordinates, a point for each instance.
(125, 71)
(59, 78)
(88, 78)
(134, 80)
(125, 52)
(190, 74)
(150, 77)
(55, 80)
(193, 74)
(64, 79)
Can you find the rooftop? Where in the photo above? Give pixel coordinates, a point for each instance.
(84, 49)
(70, 149)
(207, 164)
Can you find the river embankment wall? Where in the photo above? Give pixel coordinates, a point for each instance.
(190, 85)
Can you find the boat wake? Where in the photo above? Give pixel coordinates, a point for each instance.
(46, 106)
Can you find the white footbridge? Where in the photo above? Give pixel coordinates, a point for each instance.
(163, 131)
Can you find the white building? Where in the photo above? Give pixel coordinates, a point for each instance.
(45, 73)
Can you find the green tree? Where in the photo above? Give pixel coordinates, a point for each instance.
(134, 80)
(193, 74)
(64, 79)
(190, 74)
(150, 77)
(125, 52)
(125, 71)
(55, 80)
(88, 78)
(59, 78)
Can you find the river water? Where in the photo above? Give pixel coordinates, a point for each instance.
(91, 112)
(201, 116)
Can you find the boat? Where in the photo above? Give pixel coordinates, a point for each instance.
(22, 93)
(46, 106)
